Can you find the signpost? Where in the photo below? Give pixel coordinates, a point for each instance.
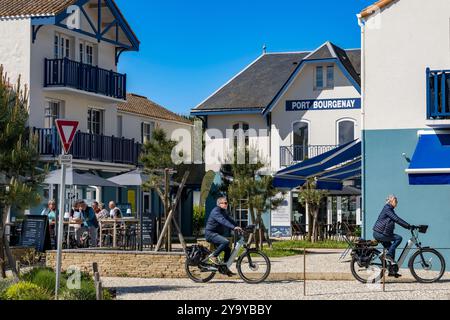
(66, 130)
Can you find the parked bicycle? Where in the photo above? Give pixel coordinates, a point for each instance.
(253, 266)
(426, 264)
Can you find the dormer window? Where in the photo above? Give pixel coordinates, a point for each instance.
(319, 77)
(324, 77)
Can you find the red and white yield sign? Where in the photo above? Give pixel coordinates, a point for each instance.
(67, 130)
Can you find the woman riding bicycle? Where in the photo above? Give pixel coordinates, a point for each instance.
(384, 230)
(215, 229)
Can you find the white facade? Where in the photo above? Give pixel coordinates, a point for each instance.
(323, 124)
(21, 56)
(401, 77)
(277, 142)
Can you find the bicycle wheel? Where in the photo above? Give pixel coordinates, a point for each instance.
(427, 266)
(253, 267)
(197, 275)
(371, 274)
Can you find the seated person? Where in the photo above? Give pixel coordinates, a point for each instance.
(218, 221)
(115, 212)
(383, 230)
(103, 213)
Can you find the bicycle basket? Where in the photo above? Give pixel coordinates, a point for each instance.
(196, 254)
(364, 251)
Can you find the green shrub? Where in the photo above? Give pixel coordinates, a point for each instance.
(4, 285)
(44, 278)
(199, 219)
(87, 292)
(26, 291)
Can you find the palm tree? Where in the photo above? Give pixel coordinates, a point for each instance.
(311, 198)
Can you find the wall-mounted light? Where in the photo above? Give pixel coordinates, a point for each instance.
(406, 157)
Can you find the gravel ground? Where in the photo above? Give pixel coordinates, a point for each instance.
(316, 261)
(181, 289)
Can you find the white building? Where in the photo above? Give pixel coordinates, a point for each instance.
(302, 104)
(406, 113)
(67, 52)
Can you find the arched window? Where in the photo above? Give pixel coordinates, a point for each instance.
(301, 140)
(345, 131)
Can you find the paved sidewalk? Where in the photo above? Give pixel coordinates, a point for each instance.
(183, 289)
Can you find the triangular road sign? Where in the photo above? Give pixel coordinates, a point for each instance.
(67, 130)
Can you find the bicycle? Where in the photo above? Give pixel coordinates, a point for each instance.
(426, 264)
(253, 266)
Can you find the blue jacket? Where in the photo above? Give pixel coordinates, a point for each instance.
(217, 222)
(387, 220)
(89, 218)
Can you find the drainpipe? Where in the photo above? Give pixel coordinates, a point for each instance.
(361, 24)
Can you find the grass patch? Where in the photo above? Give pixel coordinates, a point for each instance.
(295, 248)
(328, 244)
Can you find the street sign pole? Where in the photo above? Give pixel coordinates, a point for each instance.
(62, 197)
(66, 131)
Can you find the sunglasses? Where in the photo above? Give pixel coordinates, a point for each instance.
(224, 203)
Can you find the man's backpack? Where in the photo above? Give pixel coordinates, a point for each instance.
(196, 254)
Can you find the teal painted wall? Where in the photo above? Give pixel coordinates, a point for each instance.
(385, 174)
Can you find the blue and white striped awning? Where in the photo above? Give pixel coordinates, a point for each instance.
(329, 169)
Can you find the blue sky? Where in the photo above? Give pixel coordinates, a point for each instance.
(191, 48)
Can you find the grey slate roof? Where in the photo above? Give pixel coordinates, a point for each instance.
(256, 86)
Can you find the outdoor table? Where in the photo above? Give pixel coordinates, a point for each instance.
(114, 222)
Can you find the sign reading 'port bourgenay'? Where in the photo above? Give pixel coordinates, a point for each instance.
(329, 104)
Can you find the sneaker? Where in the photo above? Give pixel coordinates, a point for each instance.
(395, 275)
(230, 273)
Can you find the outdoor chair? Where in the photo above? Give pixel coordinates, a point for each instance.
(298, 233)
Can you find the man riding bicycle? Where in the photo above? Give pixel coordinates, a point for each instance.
(218, 221)
(383, 230)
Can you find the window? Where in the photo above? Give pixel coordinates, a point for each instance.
(52, 113)
(242, 214)
(319, 77)
(301, 140)
(62, 46)
(147, 131)
(95, 121)
(119, 126)
(330, 77)
(320, 80)
(239, 129)
(346, 131)
(89, 54)
(86, 52)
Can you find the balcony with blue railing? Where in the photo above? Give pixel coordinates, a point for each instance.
(90, 147)
(438, 96)
(290, 155)
(66, 73)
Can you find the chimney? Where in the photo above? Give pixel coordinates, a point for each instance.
(264, 49)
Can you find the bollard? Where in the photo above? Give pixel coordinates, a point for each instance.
(304, 272)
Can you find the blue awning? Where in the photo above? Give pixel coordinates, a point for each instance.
(329, 169)
(430, 164)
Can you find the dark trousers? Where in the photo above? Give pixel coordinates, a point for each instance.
(389, 242)
(222, 244)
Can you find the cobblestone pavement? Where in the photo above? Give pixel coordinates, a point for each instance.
(183, 289)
